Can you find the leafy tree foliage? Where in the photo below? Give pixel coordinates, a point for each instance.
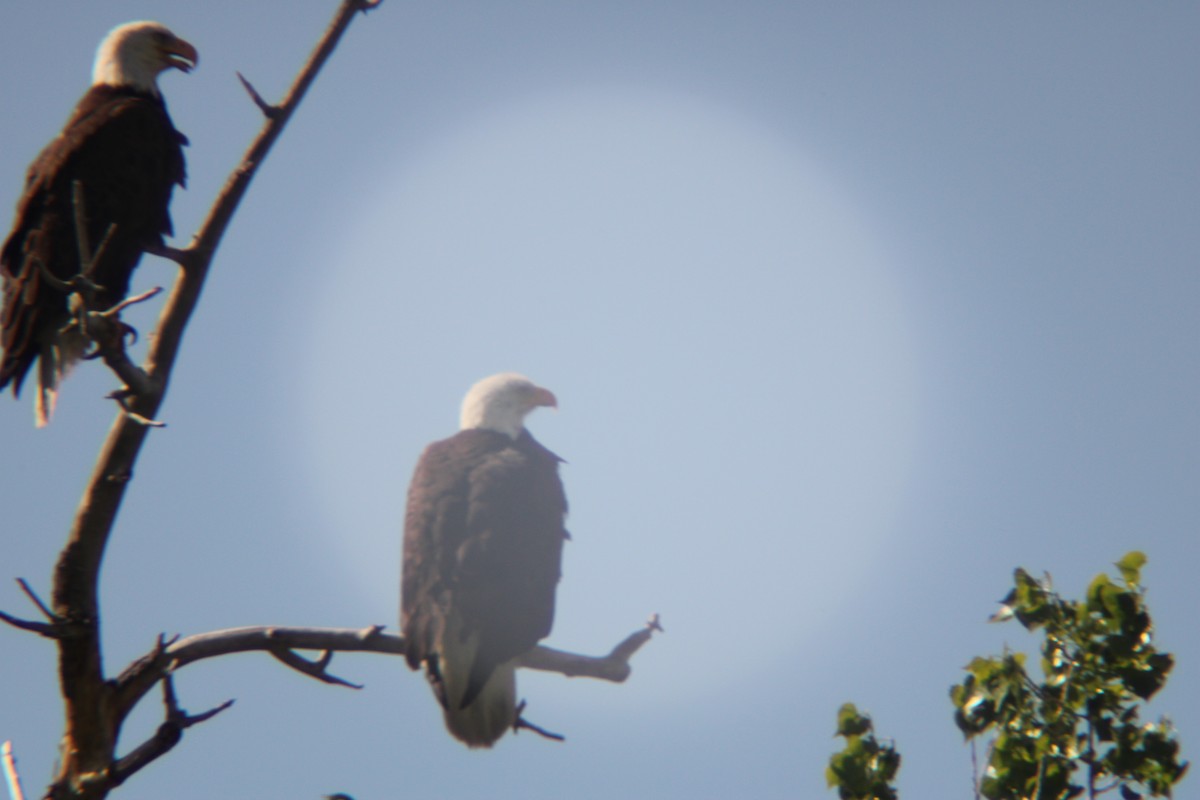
(1073, 730)
(864, 769)
(1077, 729)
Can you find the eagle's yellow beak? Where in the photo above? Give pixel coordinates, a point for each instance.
(180, 54)
(545, 397)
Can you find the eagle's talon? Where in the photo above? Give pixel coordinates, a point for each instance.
(127, 332)
(520, 722)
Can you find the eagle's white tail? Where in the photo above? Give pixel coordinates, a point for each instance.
(54, 363)
(491, 714)
(494, 709)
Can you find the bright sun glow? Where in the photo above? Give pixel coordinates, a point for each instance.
(728, 345)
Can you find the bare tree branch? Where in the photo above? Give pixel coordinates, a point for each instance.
(91, 724)
(314, 669)
(169, 657)
(165, 738)
(37, 601)
(40, 628)
(612, 667)
(268, 637)
(269, 111)
(47, 628)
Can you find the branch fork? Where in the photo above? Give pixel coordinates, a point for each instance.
(50, 628)
(269, 111)
(168, 734)
(317, 668)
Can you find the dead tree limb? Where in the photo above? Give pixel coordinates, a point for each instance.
(165, 738)
(92, 724)
(612, 667)
(168, 657)
(46, 628)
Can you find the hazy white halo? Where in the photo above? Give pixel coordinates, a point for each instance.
(726, 338)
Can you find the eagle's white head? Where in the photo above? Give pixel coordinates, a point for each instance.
(135, 53)
(500, 403)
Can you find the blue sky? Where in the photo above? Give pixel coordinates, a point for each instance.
(851, 308)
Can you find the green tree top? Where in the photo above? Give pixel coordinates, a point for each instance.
(1077, 729)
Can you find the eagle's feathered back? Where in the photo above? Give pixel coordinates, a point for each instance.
(483, 538)
(121, 147)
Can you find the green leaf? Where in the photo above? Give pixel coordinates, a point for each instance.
(1029, 600)
(850, 722)
(984, 668)
(1131, 567)
(1145, 674)
(1095, 593)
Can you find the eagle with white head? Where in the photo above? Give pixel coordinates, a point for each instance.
(483, 538)
(120, 147)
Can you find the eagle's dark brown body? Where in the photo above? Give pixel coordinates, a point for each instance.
(483, 540)
(121, 147)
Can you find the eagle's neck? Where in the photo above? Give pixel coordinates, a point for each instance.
(495, 414)
(133, 71)
(500, 424)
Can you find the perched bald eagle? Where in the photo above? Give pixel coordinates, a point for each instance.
(483, 538)
(120, 146)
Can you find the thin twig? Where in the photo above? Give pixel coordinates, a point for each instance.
(88, 258)
(974, 771)
(129, 301)
(269, 111)
(40, 628)
(313, 669)
(51, 279)
(37, 601)
(121, 396)
(180, 257)
(81, 228)
(98, 255)
(11, 776)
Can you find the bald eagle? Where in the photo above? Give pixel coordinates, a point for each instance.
(121, 148)
(483, 538)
